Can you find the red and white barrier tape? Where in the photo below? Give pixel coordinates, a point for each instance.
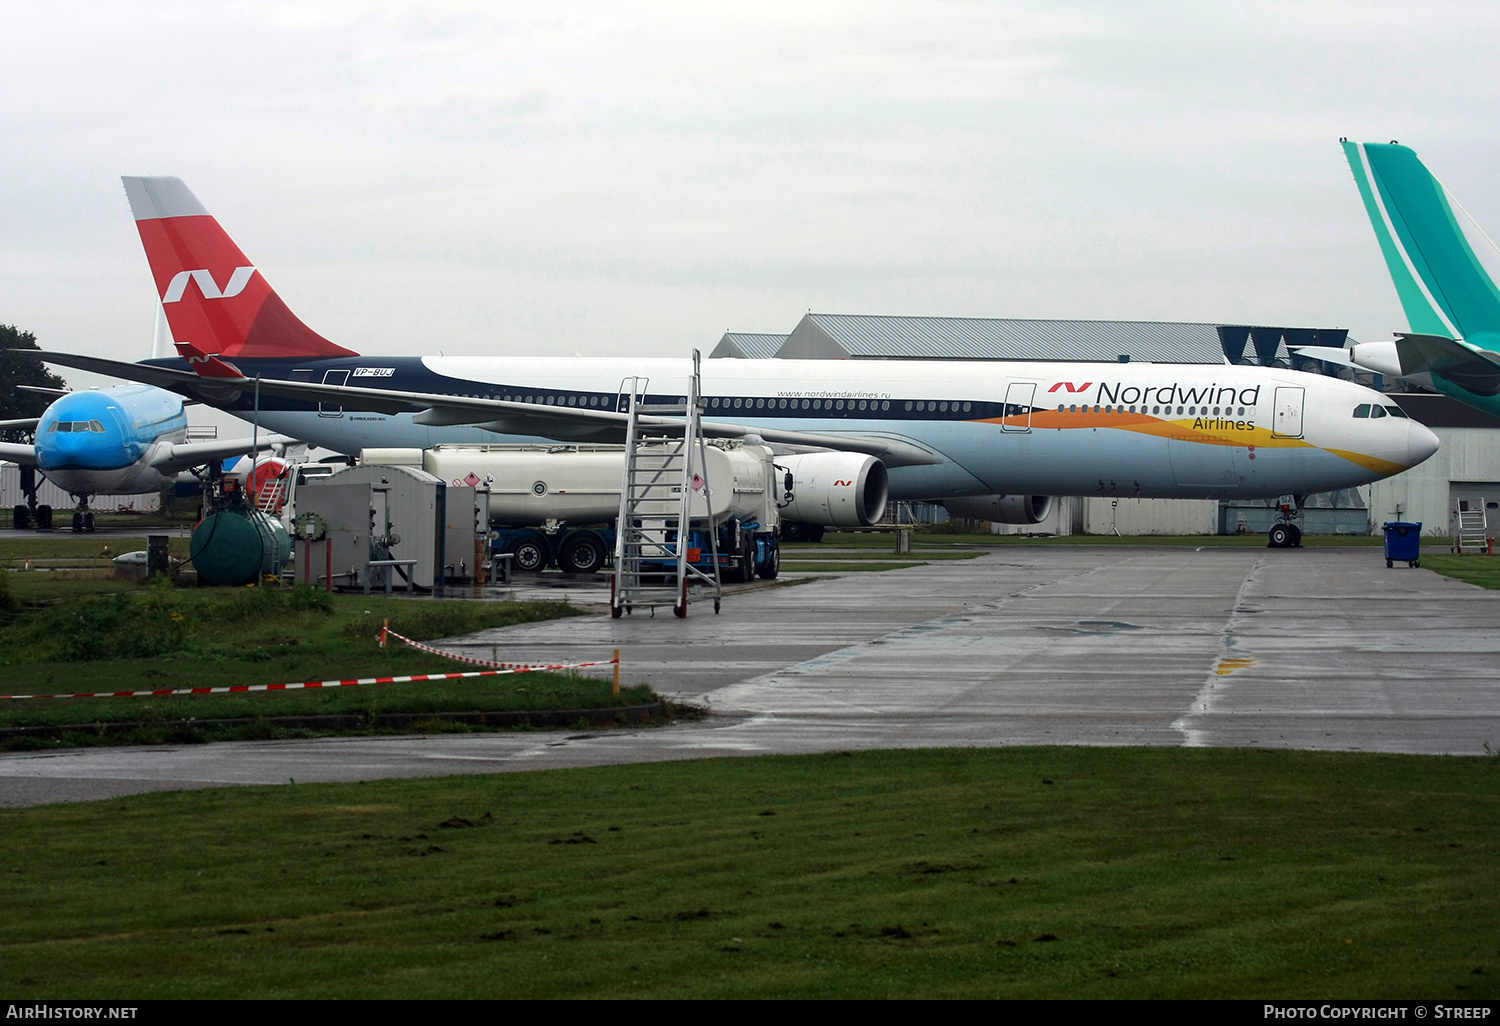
(505, 668)
(485, 662)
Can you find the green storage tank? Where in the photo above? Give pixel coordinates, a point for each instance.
(239, 546)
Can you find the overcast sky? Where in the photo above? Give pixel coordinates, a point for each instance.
(636, 178)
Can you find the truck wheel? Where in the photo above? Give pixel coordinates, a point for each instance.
(532, 553)
(747, 559)
(582, 553)
(772, 566)
(792, 531)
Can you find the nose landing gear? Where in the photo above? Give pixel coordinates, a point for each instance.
(1285, 533)
(83, 517)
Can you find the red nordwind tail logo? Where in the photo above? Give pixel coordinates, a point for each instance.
(1068, 385)
(206, 284)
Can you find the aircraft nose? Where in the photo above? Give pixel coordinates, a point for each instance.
(1421, 443)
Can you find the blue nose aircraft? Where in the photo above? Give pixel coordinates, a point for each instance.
(129, 440)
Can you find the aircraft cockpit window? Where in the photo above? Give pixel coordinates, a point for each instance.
(1376, 412)
(1362, 411)
(1396, 411)
(94, 425)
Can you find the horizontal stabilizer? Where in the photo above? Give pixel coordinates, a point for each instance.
(1467, 366)
(1328, 354)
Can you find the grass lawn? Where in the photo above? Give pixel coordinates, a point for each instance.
(1078, 872)
(156, 637)
(1481, 570)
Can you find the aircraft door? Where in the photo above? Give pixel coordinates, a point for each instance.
(1288, 412)
(622, 402)
(1018, 399)
(333, 377)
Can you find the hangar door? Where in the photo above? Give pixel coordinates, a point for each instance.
(1288, 422)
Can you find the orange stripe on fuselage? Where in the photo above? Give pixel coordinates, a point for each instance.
(1183, 431)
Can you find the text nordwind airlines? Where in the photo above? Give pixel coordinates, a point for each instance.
(943, 429)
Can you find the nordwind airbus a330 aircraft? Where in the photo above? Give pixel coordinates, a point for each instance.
(949, 431)
(1452, 306)
(130, 440)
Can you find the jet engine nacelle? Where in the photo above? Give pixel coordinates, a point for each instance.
(833, 489)
(1001, 509)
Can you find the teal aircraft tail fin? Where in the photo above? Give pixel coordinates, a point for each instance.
(1443, 287)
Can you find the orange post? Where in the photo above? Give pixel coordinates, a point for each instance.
(617, 671)
(385, 625)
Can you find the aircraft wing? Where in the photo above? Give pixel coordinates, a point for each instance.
(176, 456)
(569, 424)
(14, 452)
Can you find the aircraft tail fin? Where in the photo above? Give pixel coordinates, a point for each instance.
(213, 296)
(1443, 287)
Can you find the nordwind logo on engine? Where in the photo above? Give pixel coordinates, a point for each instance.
(206, 284)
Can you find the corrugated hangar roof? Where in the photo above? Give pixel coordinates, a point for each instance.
(869, 337)
(747, 345)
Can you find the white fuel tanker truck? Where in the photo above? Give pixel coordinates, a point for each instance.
(557, 505)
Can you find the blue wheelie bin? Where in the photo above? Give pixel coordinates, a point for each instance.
(1403, 542)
